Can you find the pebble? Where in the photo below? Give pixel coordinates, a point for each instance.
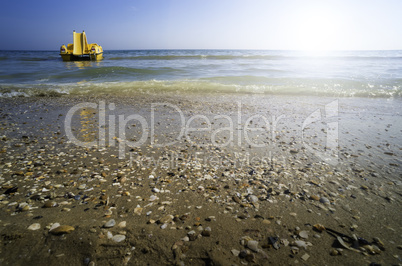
(62, 229)
(122, 224)
(235, 252)
(34, 226)
(166, 219)
(192, 235)
(334, 252)
(303, 234)
(138, 210)
(49, 204)
(53, 226)
(305, 257)
(25, 208)
(82, 186)
(301, 244)
(324, 200)
(274, 241)
(253, 245)
(110, 223)
(153, 198)
(155, 190)
(319, 227)
(252, 198)
(314, 197)
(118, 238)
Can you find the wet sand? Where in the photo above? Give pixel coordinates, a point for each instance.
(265, 180)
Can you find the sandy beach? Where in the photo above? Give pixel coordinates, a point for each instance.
(194, 179)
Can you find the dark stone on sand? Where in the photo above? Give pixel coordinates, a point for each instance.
(274, 241)
(11, 190)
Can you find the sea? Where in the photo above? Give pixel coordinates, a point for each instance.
(335, 74)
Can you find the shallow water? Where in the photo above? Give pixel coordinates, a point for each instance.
(338, 74)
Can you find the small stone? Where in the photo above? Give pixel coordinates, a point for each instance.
(25, 208)
(122, 224)
(285, 242)
(379, 243)
(324, 200)
(243, 253)
(108, 212)
(294, 250)
(266, 221)
(319, 227)
(138, 210)
(153, 198)
(334, 252)
(303, 234)
(274, 241)
(301, 244)
(305, 257)
(62, 229)
(49, 204)
(53, 226)
(34, 226)
(109, 223)
(250, 258)
(118, 238)
(155, 190)
(235, 252)
(252, 198)
(192, 235)
(166, 219)
(253, 245)
(82, 186)
(314, 197)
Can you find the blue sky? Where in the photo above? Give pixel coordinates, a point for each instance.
(204, 24)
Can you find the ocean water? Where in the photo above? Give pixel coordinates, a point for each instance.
(338, 74)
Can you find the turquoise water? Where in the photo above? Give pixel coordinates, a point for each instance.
(340, 74)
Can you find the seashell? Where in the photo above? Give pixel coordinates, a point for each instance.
(319, 227)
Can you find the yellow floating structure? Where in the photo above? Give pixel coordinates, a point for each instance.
(80, 49)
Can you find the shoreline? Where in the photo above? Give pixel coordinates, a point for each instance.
(190, 211)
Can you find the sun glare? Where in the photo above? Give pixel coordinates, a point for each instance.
(318, 30)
